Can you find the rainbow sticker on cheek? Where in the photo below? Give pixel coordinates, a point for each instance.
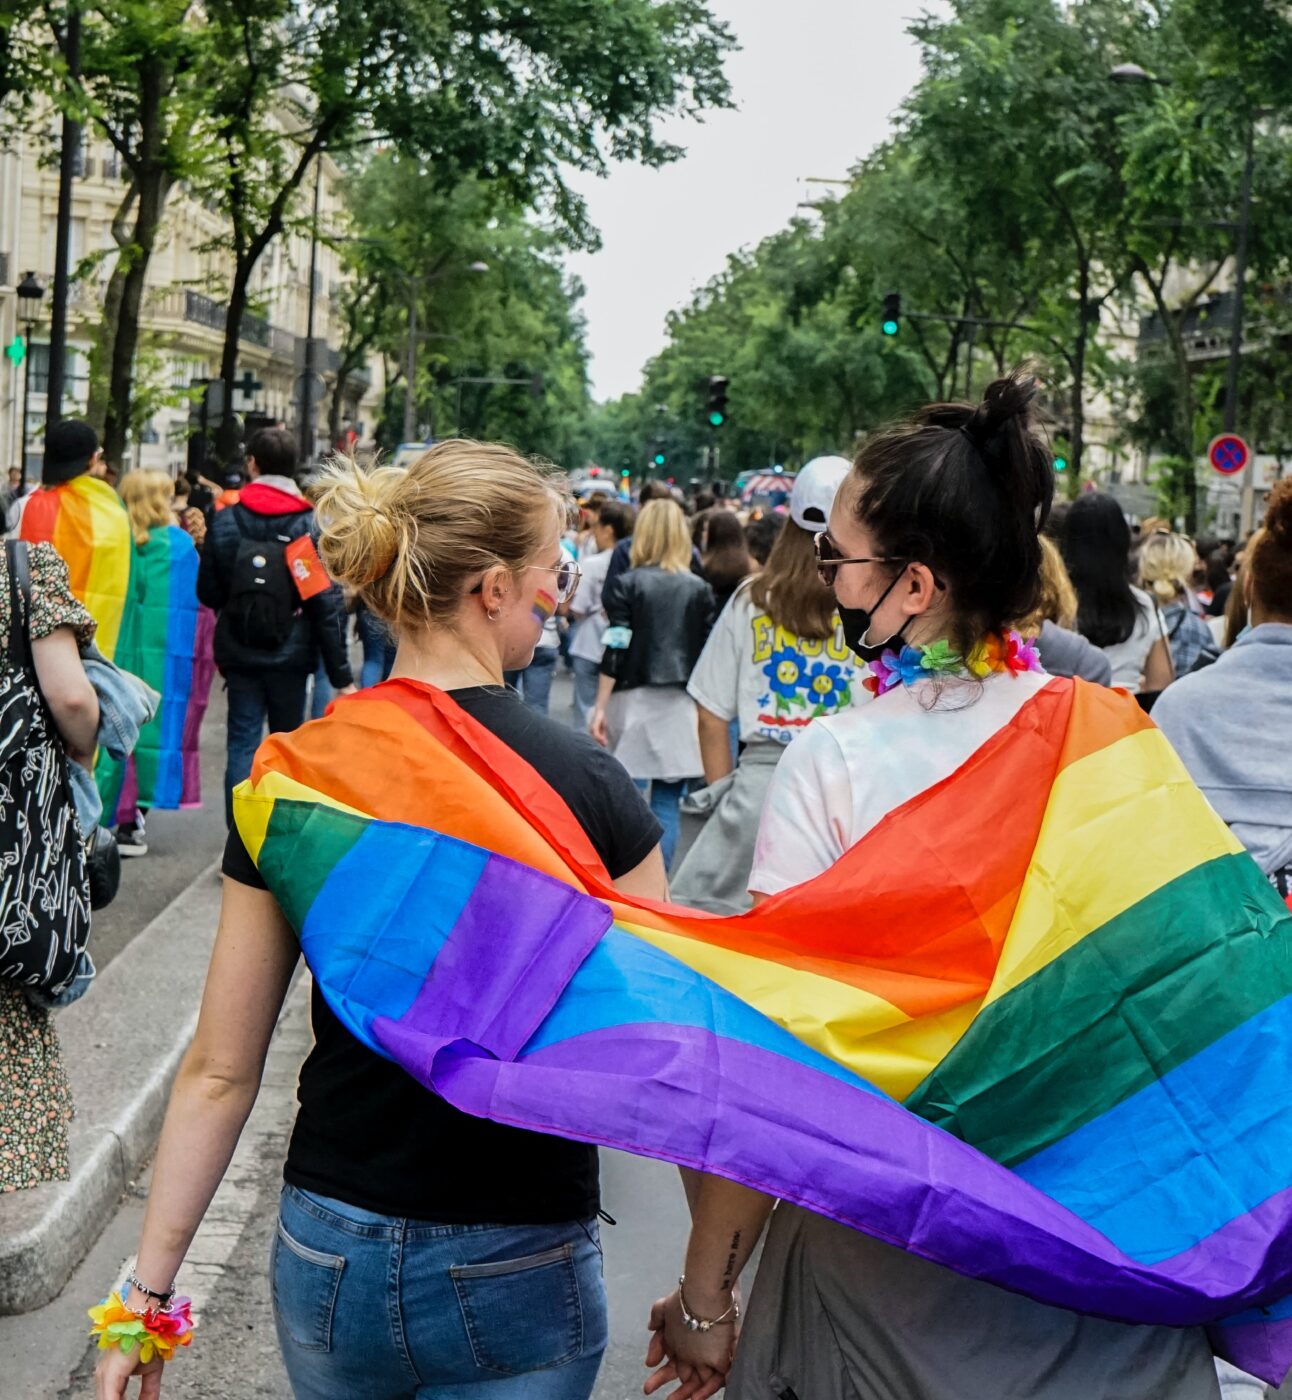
(544, 607)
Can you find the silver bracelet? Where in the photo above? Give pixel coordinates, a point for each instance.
(700, 1324)
(163, 1299)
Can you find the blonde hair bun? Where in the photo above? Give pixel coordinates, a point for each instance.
(413, 542)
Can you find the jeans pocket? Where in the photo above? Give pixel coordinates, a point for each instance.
(305, 1285)
(522, 1314)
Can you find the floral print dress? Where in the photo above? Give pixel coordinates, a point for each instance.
(35, 1099)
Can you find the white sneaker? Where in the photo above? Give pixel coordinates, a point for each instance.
(131, 838)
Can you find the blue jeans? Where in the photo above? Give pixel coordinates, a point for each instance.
(587, 676)
(257, 698)
(372, 1307)
(535, 681)
(378, 649)
(665, 799)
(323, 694)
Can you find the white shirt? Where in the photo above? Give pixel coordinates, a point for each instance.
(590, 622)
(1130, 657)
(847, 773)
(772, 681)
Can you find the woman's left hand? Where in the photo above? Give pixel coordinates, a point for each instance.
(599, 729)
(699, 1360)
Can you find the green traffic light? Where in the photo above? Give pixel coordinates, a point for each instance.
(660, 459)
(1060, 464)
(717, 419)
(891, 328)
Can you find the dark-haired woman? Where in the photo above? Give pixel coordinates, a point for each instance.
(1112, 614)
(932, 550)
(724, 553)
(775, 662)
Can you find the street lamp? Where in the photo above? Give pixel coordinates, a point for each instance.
(29, 293)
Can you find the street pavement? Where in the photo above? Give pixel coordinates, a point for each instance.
(43, 1355)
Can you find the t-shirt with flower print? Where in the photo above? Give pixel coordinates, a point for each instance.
(774, 682)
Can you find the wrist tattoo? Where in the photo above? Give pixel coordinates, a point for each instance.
(729, 1273)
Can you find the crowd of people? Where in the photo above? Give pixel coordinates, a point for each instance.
(784, 680)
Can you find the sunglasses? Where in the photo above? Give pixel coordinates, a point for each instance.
(567, 574)
(829, 560)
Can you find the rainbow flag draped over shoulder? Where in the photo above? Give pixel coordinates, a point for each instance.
(1035, 1026)
(87, 524)
(158, 645)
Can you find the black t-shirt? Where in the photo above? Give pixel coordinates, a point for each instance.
(367, 1133)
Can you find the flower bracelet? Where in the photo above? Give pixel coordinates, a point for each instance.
(154, 1331)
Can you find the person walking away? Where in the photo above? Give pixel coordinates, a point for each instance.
(932, 548)
(1112, 614)
(534, 683)
(1229, 722)
(659, 615)
(1166, 562)
(35, 1100)
(725, 554)
(77, 512)
(160, 646)
(268, 638)
(1063, 652)
(1226, 721)
(775, 662)
(614, 523)
(478, 1240)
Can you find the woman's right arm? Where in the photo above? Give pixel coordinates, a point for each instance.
(1159, 669)
(715, 745)
(251, 968)
(68, 693)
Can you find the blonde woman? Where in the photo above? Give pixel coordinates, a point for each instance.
(158, 643)
(659, 616)
(1063, 651)
(419, 1252)
(1166, 563)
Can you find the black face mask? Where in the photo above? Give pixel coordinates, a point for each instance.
(856, 623)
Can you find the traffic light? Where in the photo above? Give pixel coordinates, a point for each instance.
(660, 458)
(1060, 462)
(718, 399)
(1061, 449)
(892, 322)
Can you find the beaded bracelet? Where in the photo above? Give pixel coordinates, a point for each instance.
(156, 1331)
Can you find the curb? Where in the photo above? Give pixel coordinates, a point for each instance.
(122, 1044)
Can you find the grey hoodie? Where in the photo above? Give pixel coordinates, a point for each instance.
(1232, 726)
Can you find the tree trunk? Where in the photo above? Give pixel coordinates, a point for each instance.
(227, 437)
(105, 335)
(152, 201)
(338, 400)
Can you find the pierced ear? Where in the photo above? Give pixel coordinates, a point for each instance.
(495, 587)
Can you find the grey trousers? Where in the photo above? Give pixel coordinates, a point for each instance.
(835, 1315)
(714, 875)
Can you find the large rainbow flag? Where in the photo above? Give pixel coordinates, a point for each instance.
(1035, 1026)
(159, 645)
(87, 524)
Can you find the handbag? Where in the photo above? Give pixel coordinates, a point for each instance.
(45, 911)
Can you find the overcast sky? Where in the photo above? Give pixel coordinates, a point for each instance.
(814, 85)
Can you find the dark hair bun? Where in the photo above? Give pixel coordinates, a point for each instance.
(1006, 401)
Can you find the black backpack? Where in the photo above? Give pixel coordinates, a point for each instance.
(262, 596)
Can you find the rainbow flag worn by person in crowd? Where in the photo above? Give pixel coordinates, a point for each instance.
(87, 524)
(158, 645)
(1035, 1026)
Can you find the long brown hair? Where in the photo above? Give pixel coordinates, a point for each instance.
(790, 590)
(727, 560)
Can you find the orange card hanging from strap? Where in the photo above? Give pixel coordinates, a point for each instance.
(308, 573)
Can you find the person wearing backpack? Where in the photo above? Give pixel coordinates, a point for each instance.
(270, 631)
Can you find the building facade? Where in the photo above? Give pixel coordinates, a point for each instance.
(182, 331)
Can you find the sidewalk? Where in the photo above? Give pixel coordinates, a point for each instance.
(122, 1044)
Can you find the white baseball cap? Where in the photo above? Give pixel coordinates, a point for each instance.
(815, 488)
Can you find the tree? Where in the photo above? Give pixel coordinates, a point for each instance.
(510, 92)
(142, 69)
